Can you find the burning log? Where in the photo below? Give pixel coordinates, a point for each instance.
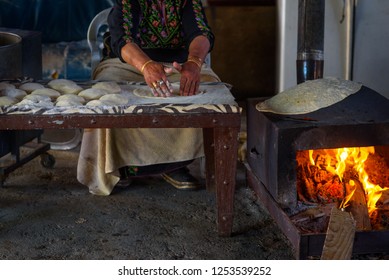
(357, 205)
(339, 240)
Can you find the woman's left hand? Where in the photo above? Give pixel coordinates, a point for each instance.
(190, 77)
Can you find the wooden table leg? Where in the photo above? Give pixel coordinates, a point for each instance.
(225, 147)
(209, 150)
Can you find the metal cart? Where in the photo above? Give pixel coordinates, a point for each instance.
(11, 143)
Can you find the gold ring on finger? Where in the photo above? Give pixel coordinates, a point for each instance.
(154, 84)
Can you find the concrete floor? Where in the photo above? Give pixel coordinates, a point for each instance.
(47, 214)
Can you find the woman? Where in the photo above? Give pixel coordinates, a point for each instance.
(158, 42)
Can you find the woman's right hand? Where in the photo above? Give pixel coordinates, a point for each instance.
(155, 77)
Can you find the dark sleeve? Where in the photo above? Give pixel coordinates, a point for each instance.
(195, 22)
(119, 37)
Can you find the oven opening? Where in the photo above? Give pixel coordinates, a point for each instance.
(354, 179)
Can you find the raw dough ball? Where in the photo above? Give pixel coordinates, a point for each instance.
(72, 98)
(5, 85)
(68, 103)
(14, 93)
(43, 104)
(52, 93)
(37, 101)
(115, 99)
(111, 87)
(30, 87)
(96, 103)
(37, 98)
(65, 86)
(93, 93)
(7, 101)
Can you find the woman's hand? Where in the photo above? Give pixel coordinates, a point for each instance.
(190, 77)
(155, 77)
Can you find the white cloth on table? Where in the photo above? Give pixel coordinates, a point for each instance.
(104, 151)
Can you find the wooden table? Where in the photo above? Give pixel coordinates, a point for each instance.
(220, 126)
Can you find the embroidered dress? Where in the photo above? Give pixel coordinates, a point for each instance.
(163, 29)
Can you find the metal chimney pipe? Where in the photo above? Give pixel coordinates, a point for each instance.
(310, 41)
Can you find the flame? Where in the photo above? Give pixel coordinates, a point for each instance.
(355, 157)
(345, 201)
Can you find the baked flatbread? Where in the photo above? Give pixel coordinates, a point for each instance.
(309, 96)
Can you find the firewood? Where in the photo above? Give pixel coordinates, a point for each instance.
(339, 240)
(358, 207)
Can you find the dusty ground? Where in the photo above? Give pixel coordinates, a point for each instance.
(47, 214)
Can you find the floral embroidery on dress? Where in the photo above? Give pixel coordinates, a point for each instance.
(127, 21)
(159, 25)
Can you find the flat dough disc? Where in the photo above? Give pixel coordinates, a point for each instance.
(309, 96)
(65, 86)
(93, 93)
(7, 101)
(147, 93)
(111, 87)
(30, 87)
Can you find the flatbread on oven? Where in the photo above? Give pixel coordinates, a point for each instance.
(309, 96)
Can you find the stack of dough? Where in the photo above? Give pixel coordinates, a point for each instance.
(62, 93)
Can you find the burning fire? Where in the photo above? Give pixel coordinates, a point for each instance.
(333, 175)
